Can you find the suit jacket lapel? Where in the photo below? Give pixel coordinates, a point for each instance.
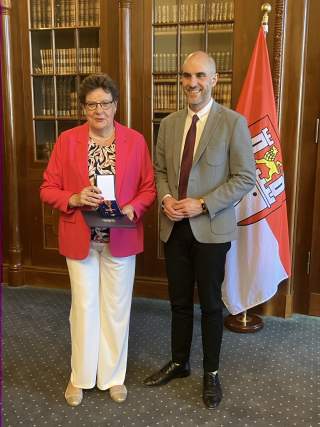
(209, 129)
(177, 139)
(120, 157)
(81, 153)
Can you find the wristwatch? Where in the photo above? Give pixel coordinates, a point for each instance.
(204, 206)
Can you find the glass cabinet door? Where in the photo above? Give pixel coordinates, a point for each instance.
(64, 37)
(179, 28)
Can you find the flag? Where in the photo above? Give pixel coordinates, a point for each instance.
(260, 259)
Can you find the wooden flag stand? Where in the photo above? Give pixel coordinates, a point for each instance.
(243, 322)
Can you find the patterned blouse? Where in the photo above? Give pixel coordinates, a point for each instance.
(101, 161)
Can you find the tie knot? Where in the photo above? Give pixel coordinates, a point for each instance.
(195, 118)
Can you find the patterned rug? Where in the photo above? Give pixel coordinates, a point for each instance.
(270, 378)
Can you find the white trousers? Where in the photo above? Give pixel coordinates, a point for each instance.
(101, 290)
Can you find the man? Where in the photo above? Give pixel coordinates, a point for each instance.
(204, 165)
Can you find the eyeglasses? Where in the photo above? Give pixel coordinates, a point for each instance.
(105, 105)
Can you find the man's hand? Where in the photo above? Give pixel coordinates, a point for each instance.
(89, 196)
(188, 207)
(168, 208)
(129, 211)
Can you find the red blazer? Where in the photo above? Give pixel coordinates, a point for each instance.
(67, 173)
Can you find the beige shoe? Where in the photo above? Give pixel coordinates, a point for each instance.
(118, 393)
(73, 395)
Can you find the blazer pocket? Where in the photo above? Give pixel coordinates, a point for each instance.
(224, 222)
(68, 217)
(215, 154)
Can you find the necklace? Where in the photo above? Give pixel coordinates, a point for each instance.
(98, 140)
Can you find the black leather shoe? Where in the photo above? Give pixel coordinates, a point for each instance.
(212, 393)
(170, 371)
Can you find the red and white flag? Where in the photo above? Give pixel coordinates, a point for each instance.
(260, 259)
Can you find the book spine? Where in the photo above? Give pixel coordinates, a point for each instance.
(97, 12)
(38, 14)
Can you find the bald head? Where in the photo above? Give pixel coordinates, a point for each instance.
(198, 78)
(200, 57)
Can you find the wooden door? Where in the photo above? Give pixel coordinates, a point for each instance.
(314, 73)
(314, 280)
(306, 257)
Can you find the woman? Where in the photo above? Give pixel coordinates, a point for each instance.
(101, 262)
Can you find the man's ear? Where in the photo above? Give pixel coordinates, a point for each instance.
(215, 78)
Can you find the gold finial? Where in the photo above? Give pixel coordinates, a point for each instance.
(5, 6)
(266, 9)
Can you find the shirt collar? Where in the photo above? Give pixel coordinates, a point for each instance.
(205, 110)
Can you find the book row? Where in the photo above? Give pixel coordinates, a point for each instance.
(167, 62)
(89, 60)
(66, 61)
(66, 13)
(193, 11)
(40, 13)
(44, 105)
(89, 13)
(222, 94)
(186, 29)
(165, 96)
(67, 98)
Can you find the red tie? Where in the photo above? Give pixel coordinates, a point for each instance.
(187, 158)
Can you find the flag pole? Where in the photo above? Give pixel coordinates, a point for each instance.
(266, 8)
(244, 322)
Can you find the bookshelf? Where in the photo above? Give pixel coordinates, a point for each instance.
(180, 27)
(64, 39)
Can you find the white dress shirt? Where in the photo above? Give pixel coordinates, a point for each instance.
(203, 116)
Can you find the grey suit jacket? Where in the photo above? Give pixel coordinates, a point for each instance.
(223, 171)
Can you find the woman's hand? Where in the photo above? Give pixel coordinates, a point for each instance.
(129, 211)
(89, 196)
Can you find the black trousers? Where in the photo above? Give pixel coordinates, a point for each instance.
(189, 262)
